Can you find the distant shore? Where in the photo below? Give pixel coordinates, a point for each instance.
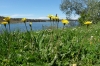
(18, 20)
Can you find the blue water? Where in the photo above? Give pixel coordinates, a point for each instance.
(35, 25)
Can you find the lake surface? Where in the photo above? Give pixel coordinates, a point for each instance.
(36, 25)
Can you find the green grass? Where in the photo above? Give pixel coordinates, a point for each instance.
(76, 45)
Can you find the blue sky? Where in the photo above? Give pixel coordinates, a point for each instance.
(34, 9)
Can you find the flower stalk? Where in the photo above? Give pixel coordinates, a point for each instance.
(24, 20)
(57, 20)
(7, 19)
(50, 17)
(30, 24)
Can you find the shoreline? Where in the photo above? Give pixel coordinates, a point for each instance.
(18, 20)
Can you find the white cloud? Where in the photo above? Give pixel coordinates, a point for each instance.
(42, 18)
(4, 14)
(31, 16)
(62, 17)
(21, 15)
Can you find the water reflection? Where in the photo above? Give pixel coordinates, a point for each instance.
(36, 25)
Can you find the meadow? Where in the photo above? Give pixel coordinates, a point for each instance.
(74, 46)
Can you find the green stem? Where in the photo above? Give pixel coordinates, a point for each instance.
(63, 25)
(26, 26)
(87, 25)
(51, 21)
(57, 23)
(31, 35)
(31, 27)
(9, 26)
(5, 27)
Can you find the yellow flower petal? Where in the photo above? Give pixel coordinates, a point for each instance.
(4, 22)
(30, 23)
(53, 17)
(49, 16)
(88, 22)
(64, 21)
(23, 19)
(56, 17)
(6, 19)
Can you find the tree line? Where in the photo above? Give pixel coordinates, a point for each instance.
(14, 20)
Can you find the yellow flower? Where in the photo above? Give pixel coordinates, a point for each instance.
(6, 19)
(53, 17)
(49, 16)
(88, 22)
(65, 21)
(4, 23)
(56, 17)
(30, 23)
(23, 19)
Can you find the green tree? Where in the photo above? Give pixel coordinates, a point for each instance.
(73, 6)
(83, 17)
(87, 9)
